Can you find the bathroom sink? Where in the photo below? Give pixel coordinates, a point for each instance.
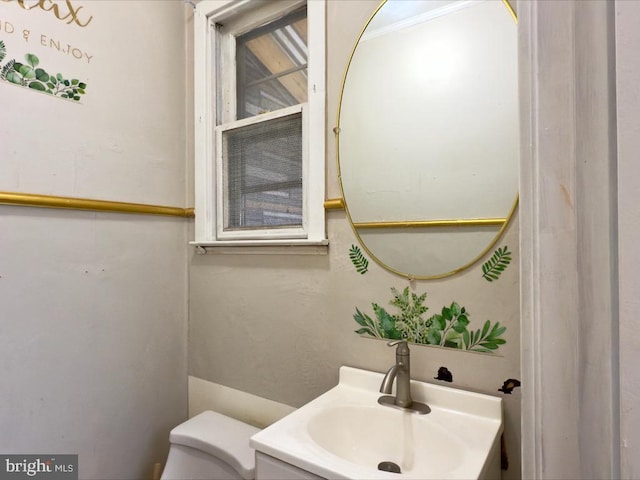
(368, 435)
(346, 434)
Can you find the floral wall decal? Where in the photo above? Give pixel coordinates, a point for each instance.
(29, 75)
(500, 259)
(449, 328)
(358, 259)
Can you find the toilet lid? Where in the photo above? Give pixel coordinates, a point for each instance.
(220, 436)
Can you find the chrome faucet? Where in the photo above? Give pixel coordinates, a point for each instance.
(401, 373)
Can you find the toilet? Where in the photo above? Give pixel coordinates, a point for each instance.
(210, 446)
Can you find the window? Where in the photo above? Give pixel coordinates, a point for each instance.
(260, 126)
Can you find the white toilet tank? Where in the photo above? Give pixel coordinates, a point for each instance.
(210, 446)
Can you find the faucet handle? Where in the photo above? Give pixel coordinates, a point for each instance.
(403, 347)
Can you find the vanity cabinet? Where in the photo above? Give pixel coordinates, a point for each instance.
(269, 468)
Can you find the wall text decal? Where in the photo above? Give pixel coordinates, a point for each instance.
(62, 11)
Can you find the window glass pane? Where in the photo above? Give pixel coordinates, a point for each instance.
(272, 66)
(263, 174)
(270, 95)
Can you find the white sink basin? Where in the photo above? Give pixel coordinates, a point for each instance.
(368, 435)
(346, 434)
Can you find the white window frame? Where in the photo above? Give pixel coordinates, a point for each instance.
(238, 17)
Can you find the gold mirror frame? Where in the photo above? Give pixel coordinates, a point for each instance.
(505, 222)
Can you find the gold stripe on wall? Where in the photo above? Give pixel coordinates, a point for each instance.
(334, 204)
(72, 203)
(51, 201)
(463, 222)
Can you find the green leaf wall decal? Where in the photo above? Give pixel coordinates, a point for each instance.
(500, 259)
(369, 326)
(32, 59)
(386, 322)
(485, 340)
(41, 75)
(37, 86)
(27, 75)
(449, 328)
(14, 77)
(358, 260)
(6, 69)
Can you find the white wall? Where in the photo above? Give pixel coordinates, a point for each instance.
(93, 336)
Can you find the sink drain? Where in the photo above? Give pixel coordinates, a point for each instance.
(389, 467)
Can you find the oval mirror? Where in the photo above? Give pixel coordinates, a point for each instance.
(428, 133)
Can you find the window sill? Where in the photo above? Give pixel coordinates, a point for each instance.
(263, 247)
